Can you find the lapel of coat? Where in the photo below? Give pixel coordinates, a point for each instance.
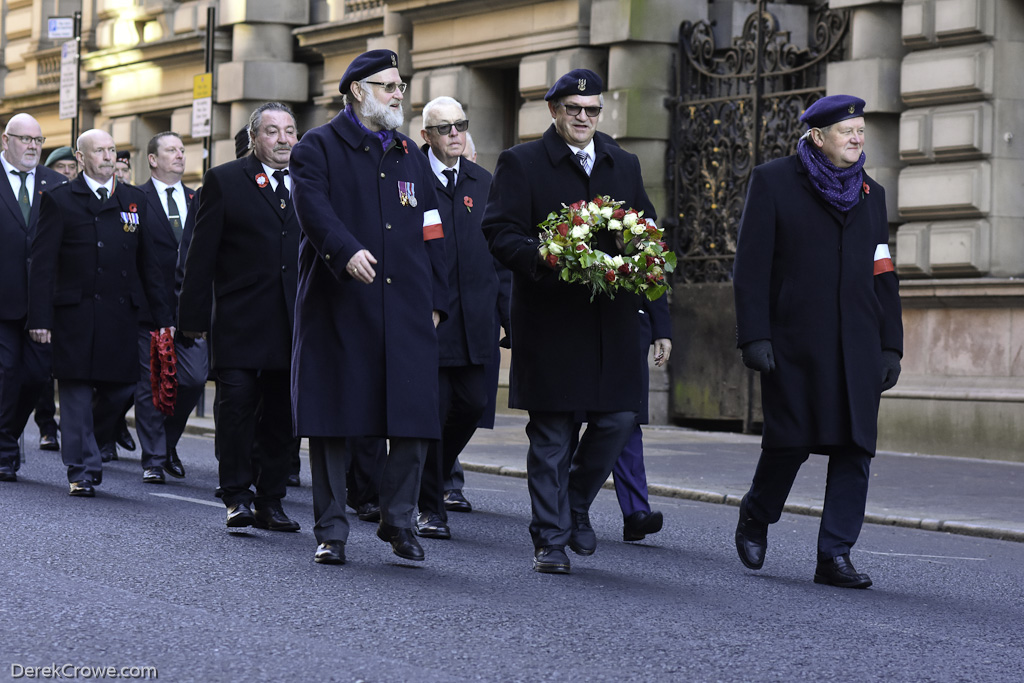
(259, 178)
(44, 181)
(157, 209)
(88, 199)
(11, 201)
(805, 180)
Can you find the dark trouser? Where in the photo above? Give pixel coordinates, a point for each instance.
(240, 392)
(456, 479)
(561, 481)
(398, 485)
(89, 413)
(846, 492)
(462, 398)
(159, 433)
(24, 373)
(630, 476)
(365, 461)
(46, 410)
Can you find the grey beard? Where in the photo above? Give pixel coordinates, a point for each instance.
(382, 115)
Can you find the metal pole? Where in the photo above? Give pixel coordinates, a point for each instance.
(211, 14)
(77, 21)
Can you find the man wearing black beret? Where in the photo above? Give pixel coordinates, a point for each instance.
(569, 354)
(818, 316)
(373, 285)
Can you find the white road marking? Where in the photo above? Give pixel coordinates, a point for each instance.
(929, 557)
(190, 500)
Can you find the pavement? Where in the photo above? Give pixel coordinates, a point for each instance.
(957, 495)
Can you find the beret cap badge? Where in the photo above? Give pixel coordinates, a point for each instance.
(851, 109)
(582, 85)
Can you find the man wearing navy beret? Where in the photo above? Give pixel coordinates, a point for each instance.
(569, 354)
(373, 286)
(818, 316)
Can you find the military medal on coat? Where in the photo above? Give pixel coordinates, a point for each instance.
(407, 193)
(130, 218)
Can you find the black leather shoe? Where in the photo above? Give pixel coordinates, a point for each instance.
(639, 524)
(454, 501)
(430, 525)
(368, 512)
(152, 475)
(49, 442)
(330, 552)
(839, 571)
(240, 515)
(174, 466)
(403, 541)
(293, 480)
(582, 538)
(108, 452)
(551, 559)
(124, 437)
(751, 539)
(7, 474)
(272, 517)
(81, 489)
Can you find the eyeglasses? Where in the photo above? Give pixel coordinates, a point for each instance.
(390, 87)
(28, 140)
(445, 128)
(575, 109)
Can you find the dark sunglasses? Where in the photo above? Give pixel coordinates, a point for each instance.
(445, 128)
(575, 109)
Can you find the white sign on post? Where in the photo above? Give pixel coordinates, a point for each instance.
(68, 108)
(202, 105)
(58, 28)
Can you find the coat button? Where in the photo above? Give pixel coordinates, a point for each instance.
(284, 267)
(96, 296)
(124, 273)
(121, 300)
(327, 257)
(381, 175)
(100, 269)
(388, 281)
(99, 244)
(366, 149)
(387, 225)
(284, 233)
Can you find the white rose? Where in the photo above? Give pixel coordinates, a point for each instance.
(606, 211)
(554, 249)
(593, 208)
(614, 225)
(580, 232)
(638, 230)
(617, 261)
(630, 220)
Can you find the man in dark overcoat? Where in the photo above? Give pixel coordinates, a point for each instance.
(168, 205)
(239, 284)
(24, 364)
(373, 285)
(568, 353)
(468, 340)
(93, 263)
(818, 315)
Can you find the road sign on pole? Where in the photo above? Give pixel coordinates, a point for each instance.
(202, 105)
(59, 28)
(68, 108)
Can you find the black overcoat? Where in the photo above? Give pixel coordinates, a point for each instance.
(89, 277)
(365, 356)
(804, 278)
(568, 353)
(240, 270)
(16, 240)
(163, 238)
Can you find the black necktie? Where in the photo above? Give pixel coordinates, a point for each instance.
(449, 173)
(102, 192)
(172, 214)
(23, 199)
(281, 191)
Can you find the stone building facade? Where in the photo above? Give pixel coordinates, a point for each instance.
(939, 76)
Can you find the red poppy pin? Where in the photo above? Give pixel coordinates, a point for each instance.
(405, 146)
(133, 207)
(867, 190)
(468, 201)
(190, 195)
(262, 180)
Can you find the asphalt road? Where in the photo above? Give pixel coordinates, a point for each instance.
(148, 575)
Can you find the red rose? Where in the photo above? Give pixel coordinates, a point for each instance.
(609, 275)
(576, 206)
(563, 229)
(618, 214)
(662, 245)
(581, 247)
(552, 260)
(624, 268)
(598, 201)
(652, 229)
(576, 220)
(651, 261)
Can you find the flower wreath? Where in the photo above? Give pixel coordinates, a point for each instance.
(568, 243)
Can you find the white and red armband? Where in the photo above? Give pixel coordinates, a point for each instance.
(883, 260)
(432, 229)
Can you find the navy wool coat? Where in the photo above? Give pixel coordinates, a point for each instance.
(240, 269)
(568, 353)
(163, 239)
(89, 277)
(365, 357)
(805, 278)
(16, 240)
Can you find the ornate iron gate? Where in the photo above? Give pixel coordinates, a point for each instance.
(734, 108)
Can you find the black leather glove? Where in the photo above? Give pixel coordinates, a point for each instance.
(182, 340)
(890, 369)
(758, 355)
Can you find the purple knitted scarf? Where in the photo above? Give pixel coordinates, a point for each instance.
(384, 136)
(841, 187)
